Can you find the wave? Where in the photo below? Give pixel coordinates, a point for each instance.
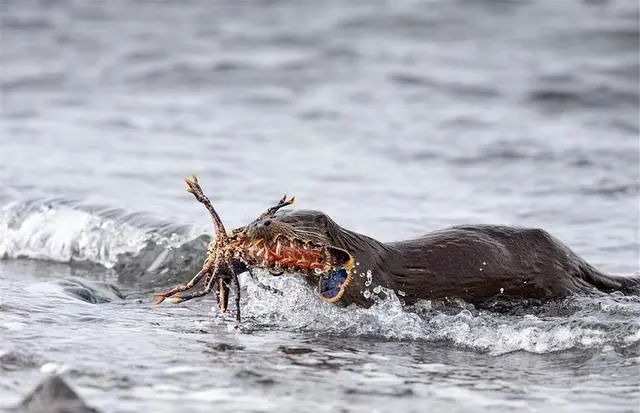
(454, 87)
(64, 230)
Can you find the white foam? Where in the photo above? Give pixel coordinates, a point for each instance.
(53, 368)
(63, 233)
(299, 309)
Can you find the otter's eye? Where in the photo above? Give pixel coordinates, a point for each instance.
(267, 223)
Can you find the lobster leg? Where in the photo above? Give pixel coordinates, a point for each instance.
(223, 295)
(208, 287)
(236, 282)
(182, 287)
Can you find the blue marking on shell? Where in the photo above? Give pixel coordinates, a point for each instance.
(331, 285)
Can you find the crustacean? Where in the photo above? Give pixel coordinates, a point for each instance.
(263, 244)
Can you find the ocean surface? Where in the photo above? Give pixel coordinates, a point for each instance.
(395, 118)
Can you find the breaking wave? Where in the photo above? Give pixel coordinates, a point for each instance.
(64, 230)
(154, 254)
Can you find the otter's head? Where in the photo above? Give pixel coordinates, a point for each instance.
(303, 242)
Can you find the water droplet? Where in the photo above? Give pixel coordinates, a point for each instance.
(464, 314)
(317, 271)
(377, 289)
(402, 293)
(366, 293)
(484, 263)
(501, 290)
(367, 283)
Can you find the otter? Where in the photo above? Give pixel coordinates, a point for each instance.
(474, 263)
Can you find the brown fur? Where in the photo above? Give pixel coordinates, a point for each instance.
(474, 263)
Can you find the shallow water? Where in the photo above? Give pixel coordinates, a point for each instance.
(395, 119)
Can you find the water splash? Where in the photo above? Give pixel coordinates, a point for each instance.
(578, 322)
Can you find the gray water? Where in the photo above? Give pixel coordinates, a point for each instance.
(395, 118)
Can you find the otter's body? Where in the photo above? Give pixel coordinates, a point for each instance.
(472, 263)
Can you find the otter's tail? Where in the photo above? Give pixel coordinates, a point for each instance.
(610, 283)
